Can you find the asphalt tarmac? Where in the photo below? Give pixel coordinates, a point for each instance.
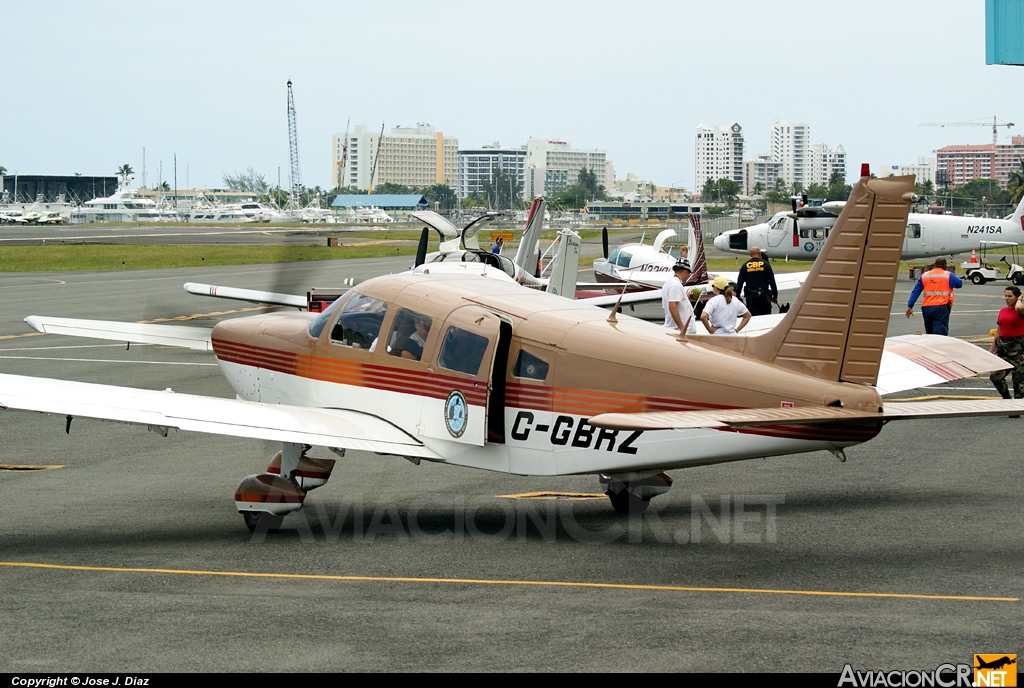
(906, 556)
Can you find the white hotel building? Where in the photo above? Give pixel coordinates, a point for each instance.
(719, 154)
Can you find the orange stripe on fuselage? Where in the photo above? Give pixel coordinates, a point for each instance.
(578, 402)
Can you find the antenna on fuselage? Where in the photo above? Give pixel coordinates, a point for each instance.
(611, 317)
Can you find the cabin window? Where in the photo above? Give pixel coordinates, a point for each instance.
(529, 366)
(409, 334)
(359, 322)
(462, 351)
(614, 257)
(914, 231)
(624, 259)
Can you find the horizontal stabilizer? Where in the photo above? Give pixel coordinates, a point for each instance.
(250, 295)
(232, 417)
(737, 418)
(165, 335)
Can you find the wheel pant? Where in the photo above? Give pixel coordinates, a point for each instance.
(1012, 353)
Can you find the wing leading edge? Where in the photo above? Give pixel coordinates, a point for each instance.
(737, 418)
(232, 417)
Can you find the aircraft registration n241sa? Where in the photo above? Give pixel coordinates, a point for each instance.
(483, 373)
(802, 234)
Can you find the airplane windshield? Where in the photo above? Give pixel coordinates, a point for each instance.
(320, 321)
(624, 259)
(359, 323)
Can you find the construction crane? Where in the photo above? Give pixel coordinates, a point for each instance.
(293, 149)
(373, 168)
(344, 157)
(995, 125)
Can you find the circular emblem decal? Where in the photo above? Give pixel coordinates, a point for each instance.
(808, 246)
(455, 413)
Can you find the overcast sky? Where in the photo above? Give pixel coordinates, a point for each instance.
(87, 85)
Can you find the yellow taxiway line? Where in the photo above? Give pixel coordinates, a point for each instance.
(486, 581)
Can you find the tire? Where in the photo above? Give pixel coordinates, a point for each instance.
(268, 523)
(977, 278)
(626, 502)
(1018, 279)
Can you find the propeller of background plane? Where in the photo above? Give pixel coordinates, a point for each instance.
(421, 250)
(604, 242)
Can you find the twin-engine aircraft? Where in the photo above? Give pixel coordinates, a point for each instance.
(802, 235)
(478, 372)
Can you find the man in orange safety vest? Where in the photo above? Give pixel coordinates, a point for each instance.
(937, 285)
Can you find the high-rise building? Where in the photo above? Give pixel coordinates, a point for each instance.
(412, 156)
(957, 165)
(825, 162)
(760, 170)
(719, 154)
(553, 166)
(791, 145)
(477, 165)
(924, 170)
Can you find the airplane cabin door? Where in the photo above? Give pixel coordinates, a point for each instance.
(779, 232)
(469, 378)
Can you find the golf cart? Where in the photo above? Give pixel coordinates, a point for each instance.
(979, 273)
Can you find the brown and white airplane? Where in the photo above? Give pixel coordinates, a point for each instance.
(479, 372)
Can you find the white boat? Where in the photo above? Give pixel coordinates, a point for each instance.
(123, 206)
(237, 213)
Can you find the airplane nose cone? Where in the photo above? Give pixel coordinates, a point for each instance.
(722, 241)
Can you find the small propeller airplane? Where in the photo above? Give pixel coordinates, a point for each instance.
(651, 265)
(801, 234)
(479, 372)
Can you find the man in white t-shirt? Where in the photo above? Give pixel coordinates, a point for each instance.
(721, 312)
(678, 312)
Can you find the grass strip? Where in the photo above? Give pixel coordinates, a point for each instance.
(57, 258)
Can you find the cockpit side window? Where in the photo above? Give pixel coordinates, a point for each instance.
(409, 334)
(462, 351)
(359, 322)
(529, 366)
(614, 257)
(624, 259)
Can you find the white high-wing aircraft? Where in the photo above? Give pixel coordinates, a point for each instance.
(802, 237)
(507, 379)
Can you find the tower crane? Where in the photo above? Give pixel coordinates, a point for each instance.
(344, 157)
(293, 149)
(995, 125)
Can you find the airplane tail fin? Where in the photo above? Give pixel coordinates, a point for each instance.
(1018, 214)
(836, 328)
(698, 261)
(529, 247)
(565, 266)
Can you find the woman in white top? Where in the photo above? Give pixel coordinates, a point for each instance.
(721, 312)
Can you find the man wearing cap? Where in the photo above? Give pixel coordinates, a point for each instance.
(757, 276)
(937, 285)
(678, 312)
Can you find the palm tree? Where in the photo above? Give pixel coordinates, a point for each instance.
(124, 170)
(1015, 185)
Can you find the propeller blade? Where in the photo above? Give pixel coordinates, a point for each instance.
(421, 250)
(604, 242)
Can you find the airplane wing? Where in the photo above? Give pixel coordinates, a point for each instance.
(783, 280)
(166, 335)
(629, 298)
(913, 360)
(738, 418)
(236, 418)
(250, 295)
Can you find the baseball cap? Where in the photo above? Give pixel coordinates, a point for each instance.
(720, 282)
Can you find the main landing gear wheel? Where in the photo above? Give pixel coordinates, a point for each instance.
(626, 502)
(977, 278)
(267, 522)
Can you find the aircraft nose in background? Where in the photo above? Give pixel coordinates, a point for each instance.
(722, 241)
